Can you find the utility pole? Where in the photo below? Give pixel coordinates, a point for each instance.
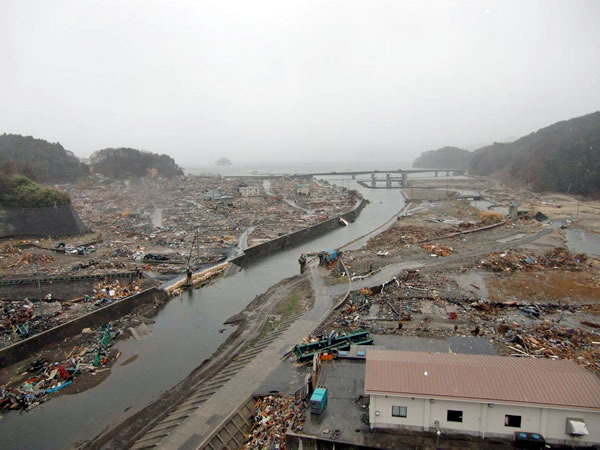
(196, 244)
(37, 274)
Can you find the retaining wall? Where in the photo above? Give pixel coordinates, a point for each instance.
(66, 278)
(298, 237)
(40, 222)
(23, 349)
(61, 289)
(231, 432)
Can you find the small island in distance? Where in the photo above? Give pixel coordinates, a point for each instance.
(224, 162)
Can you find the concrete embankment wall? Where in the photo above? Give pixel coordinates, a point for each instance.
(298, 237)
(23, 349)
(40, 222)
(60, 287)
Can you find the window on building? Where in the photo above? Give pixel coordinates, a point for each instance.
(398, 411)
(454, 416)
(512, 421)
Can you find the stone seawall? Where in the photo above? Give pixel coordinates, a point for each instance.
(298, 237)
(40, 222)
(22, 349)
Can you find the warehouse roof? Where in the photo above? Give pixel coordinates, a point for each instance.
(481, 377)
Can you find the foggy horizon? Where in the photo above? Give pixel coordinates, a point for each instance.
(297, 81)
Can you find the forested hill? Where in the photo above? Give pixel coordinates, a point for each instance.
(20, 191)
(563, 157)
(39, 160)
(129, 162)
(444, 158)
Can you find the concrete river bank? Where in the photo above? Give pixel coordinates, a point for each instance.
(187, 331)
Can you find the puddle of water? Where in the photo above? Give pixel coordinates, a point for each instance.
(583, 241)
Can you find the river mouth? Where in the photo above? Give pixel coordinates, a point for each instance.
(187, 331)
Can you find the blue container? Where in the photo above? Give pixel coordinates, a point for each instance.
(318, 400)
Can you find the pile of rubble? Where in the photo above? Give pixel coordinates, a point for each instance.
(407, 234)
(155, 222)
(512, 260)
(24, 318)
(109, 291)
(551, 340)
(273, 416)
(414, 306)
(561, 258)
(438, 249)
(21, 319)
(34, 258)
(9, 250)
(44, 377)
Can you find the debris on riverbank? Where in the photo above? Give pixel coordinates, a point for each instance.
(24, 318)
(272, 417)
(43, 378)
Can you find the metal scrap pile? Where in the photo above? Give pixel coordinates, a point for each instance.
(558, 258)
(273, 416)
(45, 377)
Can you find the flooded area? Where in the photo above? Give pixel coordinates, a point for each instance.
(583, 241)
(187, 330)
(486, 205)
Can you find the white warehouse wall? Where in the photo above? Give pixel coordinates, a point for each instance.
(480, 419)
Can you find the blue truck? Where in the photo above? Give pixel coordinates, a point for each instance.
(318, 400)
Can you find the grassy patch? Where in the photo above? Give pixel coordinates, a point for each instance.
(268, 327)
(289, 306)
(331, 280)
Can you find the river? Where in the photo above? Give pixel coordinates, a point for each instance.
(187, 331)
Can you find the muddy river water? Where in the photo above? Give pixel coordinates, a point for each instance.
(187, 331)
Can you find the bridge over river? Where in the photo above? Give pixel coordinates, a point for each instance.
(402, 177)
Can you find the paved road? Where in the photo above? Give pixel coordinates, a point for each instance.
(390, 271)
(243, 240)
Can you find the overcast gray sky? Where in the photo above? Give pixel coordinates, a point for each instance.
(293, 79)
